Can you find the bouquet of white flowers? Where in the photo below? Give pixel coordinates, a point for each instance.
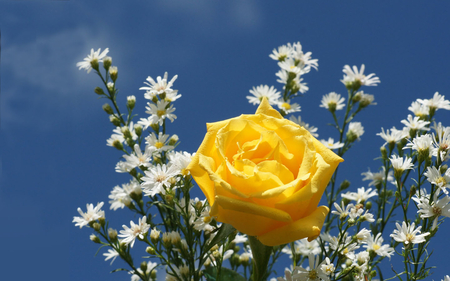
(263, 177)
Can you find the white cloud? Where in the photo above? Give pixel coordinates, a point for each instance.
(42, 77)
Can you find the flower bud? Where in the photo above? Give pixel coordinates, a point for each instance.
(154, 235)
(173, 140)
(368, 205)
(96, 226)
(107, 61)
(94, 238)
(99, 91)
(351, 136)
(131, 101)
(113, 72)
(144, 266)
(150, 250)
(101, 220)
(113, 119)
(384, 154)
(117, 144)
(357, 97)
(108, 109)
(443, 168)
(126, 132)
(112, 233)
(235, 259)
(138, 130)
(344, 185)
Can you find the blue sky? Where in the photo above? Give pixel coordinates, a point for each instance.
(53, 130)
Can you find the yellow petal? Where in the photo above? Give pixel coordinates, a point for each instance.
(265, 108)
(307, 227)
(251, 208)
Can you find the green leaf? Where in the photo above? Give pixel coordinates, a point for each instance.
(224, 231)
(261, 255)
(119, 269)
(225, 274)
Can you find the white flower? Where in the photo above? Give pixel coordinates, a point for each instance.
(120, 196)
(419, 109)
(365, 99)
(158, 113)
(130, 234)
(111, 254)
(92, 214)
(332, 101)
(138, 159)
(408, 234)
(377, 178)
(363, 235)
(355, 75)
(262, 91)
(434, 209)
(94, 57)
(446, 278)
(315, 271)
(342, 211)
(290, 65)
(441, 181)
(159, 143)
(400, 164)
(288, 107)
(437, 102)
(361, 196)
(303, 247)
(420, 143)
(415, 123)
(377, 246)
(356, 129)
(392, 136)
(331, 144)
(304, 59)
(180, 160)
(157, 178)
(327, 267)
(281, 53)
(311, 129)
(159, 86)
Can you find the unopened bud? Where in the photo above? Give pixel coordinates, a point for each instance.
(351, 136)
(113, 119)
(107, 108)
(96, 226)
(125, 131)
(102, 221)
(113, 72)
(117, 144)
(107, 61)
(94, 64)
(144, 266)
(131, 101)
(173, 140)
(112, 233)
(443, 168)
(357, 96)
(94, 238)
(344, 185)
(99, 91)
(368, 205)
(384, 154)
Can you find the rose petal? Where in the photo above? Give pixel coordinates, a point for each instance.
(305, 227)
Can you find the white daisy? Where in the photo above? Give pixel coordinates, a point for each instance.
(288, 107)
(376, 245)
(157, 178)
(434, 209)
(361, 196)
(331, 144)
(262, 91)
(377, 178)
(111, 254)
(159, 86)
(129, 234)
(408, 234)
(419, 110)
(332, 102)
(400, 164)
(159, 143)
(415, 123)
(138, 159)
(281, 53)
(162, 110)
(357, 76)
(437, 102)
(315, 271)
(94, 58)
(393, 135)
(92, 214)
(356, 129)
(441, 181)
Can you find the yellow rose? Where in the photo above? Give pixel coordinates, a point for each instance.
(265, 175)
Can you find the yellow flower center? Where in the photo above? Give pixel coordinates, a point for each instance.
(184, 172)
(286, 105)
(312, 274)
(441, 181)
(409, 237)
(159, 144)
(160, 112)
(376, 247)
(207, 219)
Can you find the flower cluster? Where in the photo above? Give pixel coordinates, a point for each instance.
(263, 176)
